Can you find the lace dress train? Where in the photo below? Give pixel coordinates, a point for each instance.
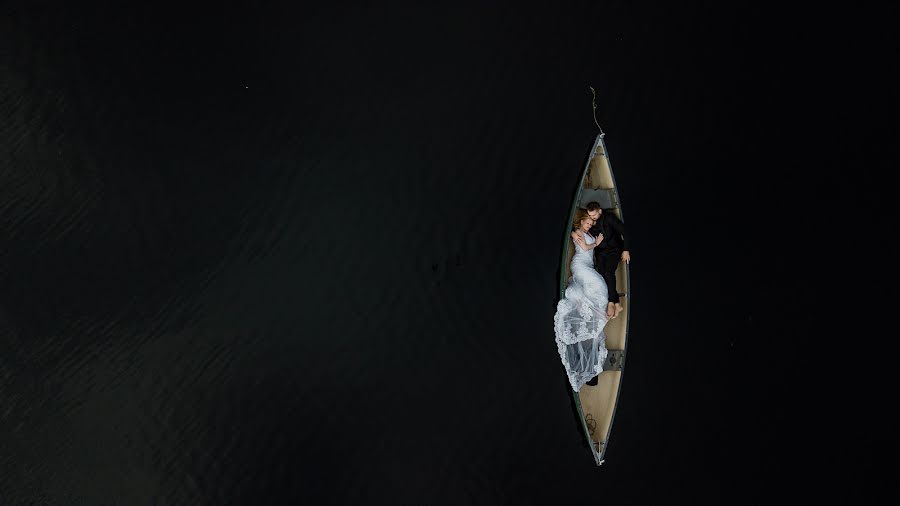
(580, 319)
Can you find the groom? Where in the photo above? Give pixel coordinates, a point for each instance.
(613, 248)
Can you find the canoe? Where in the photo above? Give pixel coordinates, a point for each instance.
(596, 405)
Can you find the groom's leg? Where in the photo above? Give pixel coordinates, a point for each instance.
(607, 264)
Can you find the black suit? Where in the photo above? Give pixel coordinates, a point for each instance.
(609, 252)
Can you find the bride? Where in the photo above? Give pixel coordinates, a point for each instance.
(581, 314)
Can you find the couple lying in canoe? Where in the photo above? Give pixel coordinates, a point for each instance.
(591, 298)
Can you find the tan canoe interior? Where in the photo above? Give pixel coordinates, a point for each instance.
(598, 402)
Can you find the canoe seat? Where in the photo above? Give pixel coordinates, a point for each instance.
(606, 198)
(615, 360)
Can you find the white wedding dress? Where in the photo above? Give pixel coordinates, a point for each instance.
(580, 318)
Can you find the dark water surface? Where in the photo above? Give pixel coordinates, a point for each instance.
(267, 255)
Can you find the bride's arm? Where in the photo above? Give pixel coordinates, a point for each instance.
(580, 241)
(586, 246)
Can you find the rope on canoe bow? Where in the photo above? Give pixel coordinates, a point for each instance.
(594, 106)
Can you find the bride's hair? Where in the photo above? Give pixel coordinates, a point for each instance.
(580, 214)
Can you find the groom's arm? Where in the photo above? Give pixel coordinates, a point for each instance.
(619, 228)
